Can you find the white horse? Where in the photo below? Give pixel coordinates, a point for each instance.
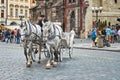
(30, 34)
(52, 34)
(67, 42)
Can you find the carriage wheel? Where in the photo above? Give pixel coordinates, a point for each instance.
(47, 55)
(61, 54)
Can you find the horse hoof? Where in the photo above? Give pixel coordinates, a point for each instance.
(30, 62)
(55, 64)
(38, 62)
(48, 66)
(28, 65)
(33, 60)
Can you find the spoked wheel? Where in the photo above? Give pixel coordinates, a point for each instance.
(44, 50)
(60, 57)
(70, 52)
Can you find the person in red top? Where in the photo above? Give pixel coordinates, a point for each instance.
(15, 34)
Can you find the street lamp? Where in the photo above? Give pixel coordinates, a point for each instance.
(21, 16)
(45, 4)
(96, 10)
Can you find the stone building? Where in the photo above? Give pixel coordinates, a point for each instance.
(110, 10)
(68, 12)
(77, 14)
(11, 9)
(3, 12)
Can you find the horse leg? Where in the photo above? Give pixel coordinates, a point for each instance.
(56, 56)
(25, 53)
(39, 53)
(29, 62)
(55, 59)
(48, 65)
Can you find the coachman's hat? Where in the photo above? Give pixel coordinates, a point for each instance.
(42, 15)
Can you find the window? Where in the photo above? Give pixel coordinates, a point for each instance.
(11, 11)
(2, 1)
(115, 1)
(71, 1)
(16, 12)
(21, 11)
(101, 1)
(33, 1)
(21, 0)
(26, 13)
(2, 13)
(26, 0)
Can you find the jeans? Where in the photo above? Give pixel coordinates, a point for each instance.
(17, 40)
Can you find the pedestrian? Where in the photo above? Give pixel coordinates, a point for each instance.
(15, 35)
(8, 36)
(93, 36)
(18, 37)
(108, 34)
(12, 36)
(112, 35)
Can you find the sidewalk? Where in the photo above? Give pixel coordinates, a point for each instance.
(87, 44)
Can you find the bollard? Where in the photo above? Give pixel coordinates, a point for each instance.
(100, 43)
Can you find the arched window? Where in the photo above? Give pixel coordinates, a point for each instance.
(2, 1)
(26, 13)
(16, 12)
(21, 11)
(72, 20)
(115, 1)
(2, 13)
(11, 11)
(101, 2)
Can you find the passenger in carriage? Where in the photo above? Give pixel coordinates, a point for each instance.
(42, 20)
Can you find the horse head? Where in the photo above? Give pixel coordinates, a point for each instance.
(46, 30)
(23, 30)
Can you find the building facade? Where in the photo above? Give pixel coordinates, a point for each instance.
(10, 10)
(110, 11)
(77, 14)
(3, 12)
(68, 12)
(15, 9)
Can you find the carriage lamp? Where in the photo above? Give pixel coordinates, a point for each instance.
(21, 16)
(97, 10)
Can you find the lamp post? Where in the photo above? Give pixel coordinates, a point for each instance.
(45, 4)
(96, 10)
(21, 16)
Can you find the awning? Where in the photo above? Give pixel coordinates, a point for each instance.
(10, 27)
(34, 7)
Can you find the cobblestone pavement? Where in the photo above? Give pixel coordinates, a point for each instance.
(84, 65)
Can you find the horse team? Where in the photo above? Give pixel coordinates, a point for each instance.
(35, 39)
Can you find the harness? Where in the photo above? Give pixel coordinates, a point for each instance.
(54, 34)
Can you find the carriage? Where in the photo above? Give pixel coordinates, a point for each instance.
(50, 42)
